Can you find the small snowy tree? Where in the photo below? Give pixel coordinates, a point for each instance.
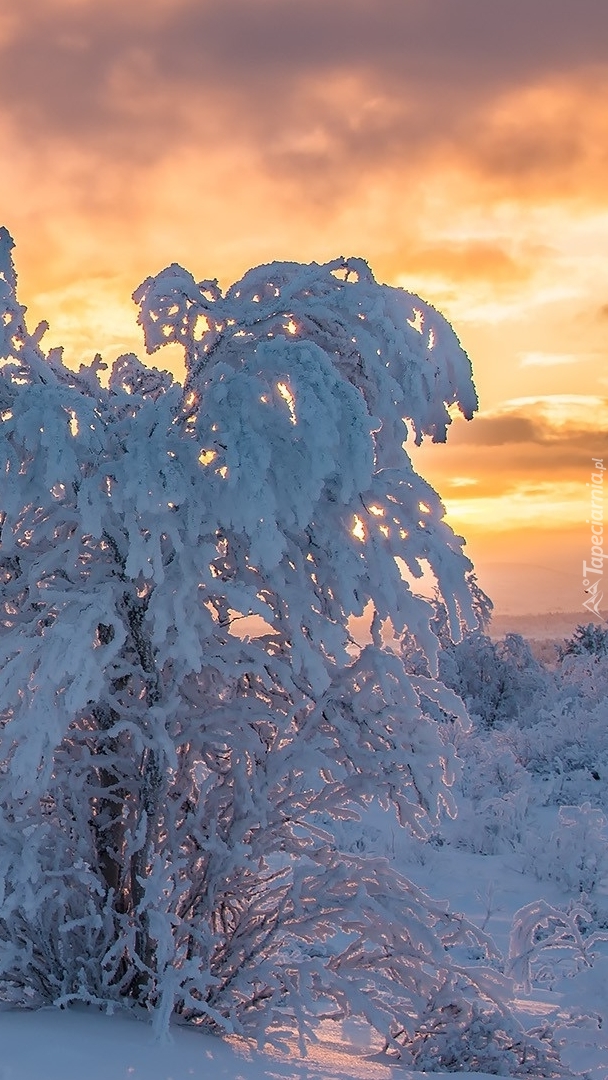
(587, 640)
(163, 779)
(497, 680)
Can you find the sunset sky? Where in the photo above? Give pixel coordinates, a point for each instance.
(460, 146)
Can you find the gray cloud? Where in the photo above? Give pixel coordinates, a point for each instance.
(524, 428)
(143, 78)
(503, 452)
(496, 431)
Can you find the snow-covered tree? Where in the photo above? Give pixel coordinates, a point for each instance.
(587, 640)
(167, 782)
(497, 680)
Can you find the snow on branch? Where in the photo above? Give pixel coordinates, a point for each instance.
(180, 785)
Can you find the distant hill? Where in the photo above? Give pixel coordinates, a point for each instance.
(553, 624)
(523, 588)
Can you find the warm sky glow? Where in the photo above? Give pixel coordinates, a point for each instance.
(459, 146)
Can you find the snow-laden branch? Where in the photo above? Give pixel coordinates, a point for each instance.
(179, 785)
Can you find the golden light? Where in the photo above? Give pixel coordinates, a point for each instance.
(358, 529)
(589, 411)
(463, 481)
(417, 320)
(549, 504)
(287, 396)
(207, 456)
(201, 327)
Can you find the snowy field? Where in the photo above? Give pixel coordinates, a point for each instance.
(82, 1044)
(52, 1045)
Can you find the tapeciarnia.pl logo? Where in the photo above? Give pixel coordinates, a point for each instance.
(593, 571)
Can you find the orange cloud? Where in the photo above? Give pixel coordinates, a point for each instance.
(527, 444)
(460, 148)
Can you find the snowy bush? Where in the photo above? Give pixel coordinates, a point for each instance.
(552, 722)
(497, 681)
(169, 787)
(456, 1038)
(590, 640)
(560, 739)
(549, 943)
(576, 853)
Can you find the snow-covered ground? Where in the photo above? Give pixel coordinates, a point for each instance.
(490, 889)
(81, 1045)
